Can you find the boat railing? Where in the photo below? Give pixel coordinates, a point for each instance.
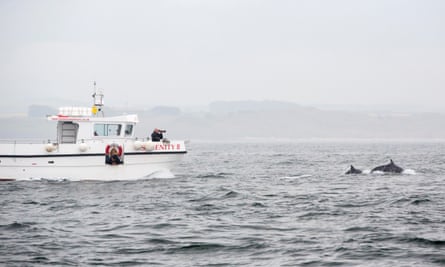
(54, 141)
(26, 141)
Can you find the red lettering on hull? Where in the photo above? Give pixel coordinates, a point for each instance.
(168, 147)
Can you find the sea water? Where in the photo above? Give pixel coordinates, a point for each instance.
(240, 204)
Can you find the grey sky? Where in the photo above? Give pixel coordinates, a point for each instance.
(376, 52)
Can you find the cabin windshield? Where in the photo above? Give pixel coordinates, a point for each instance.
(105, 129)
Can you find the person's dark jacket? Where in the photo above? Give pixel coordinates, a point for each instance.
(156, 137)
(113, 160)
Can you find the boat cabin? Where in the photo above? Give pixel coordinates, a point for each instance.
(75, 125)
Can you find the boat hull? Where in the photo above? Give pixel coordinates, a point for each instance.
(69, 164)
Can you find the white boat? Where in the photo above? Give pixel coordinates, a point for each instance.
(83, 150)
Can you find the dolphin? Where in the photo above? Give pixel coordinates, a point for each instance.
(353, 170)
(390, 168)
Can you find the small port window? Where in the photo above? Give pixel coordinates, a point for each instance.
(128, 130)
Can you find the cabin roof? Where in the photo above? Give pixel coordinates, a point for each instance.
(131, 118)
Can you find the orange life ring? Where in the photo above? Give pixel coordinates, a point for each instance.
(118, 147)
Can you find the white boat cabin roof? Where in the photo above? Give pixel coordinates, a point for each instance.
(76, 124)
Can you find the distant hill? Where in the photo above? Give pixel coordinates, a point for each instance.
(269, 119)
(241, 120)
(236, 106)
(40, 111)
(165, 110)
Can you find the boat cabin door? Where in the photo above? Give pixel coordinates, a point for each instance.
(67, 132)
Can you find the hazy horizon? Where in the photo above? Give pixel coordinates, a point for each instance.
(187, 108)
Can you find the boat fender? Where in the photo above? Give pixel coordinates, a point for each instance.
(50, 147)
(137, 145)
(149, 146)
(119, 149)
(83, 147)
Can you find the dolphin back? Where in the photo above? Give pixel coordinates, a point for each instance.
(353, 170)
(390, 168)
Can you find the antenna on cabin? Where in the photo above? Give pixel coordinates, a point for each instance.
(98, 100)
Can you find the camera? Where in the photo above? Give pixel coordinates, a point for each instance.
(162, 130)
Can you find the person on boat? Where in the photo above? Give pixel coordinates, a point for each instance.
(157, 136)
(113, 158)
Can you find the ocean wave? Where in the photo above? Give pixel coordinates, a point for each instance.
(215, 175)
(166, 174)
(413, 200)
(409, 172)
(300, 176)
(363, 229)
(17, 225)
(423, 241)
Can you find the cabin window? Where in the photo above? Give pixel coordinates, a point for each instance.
(128, 130)
(102, 129)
